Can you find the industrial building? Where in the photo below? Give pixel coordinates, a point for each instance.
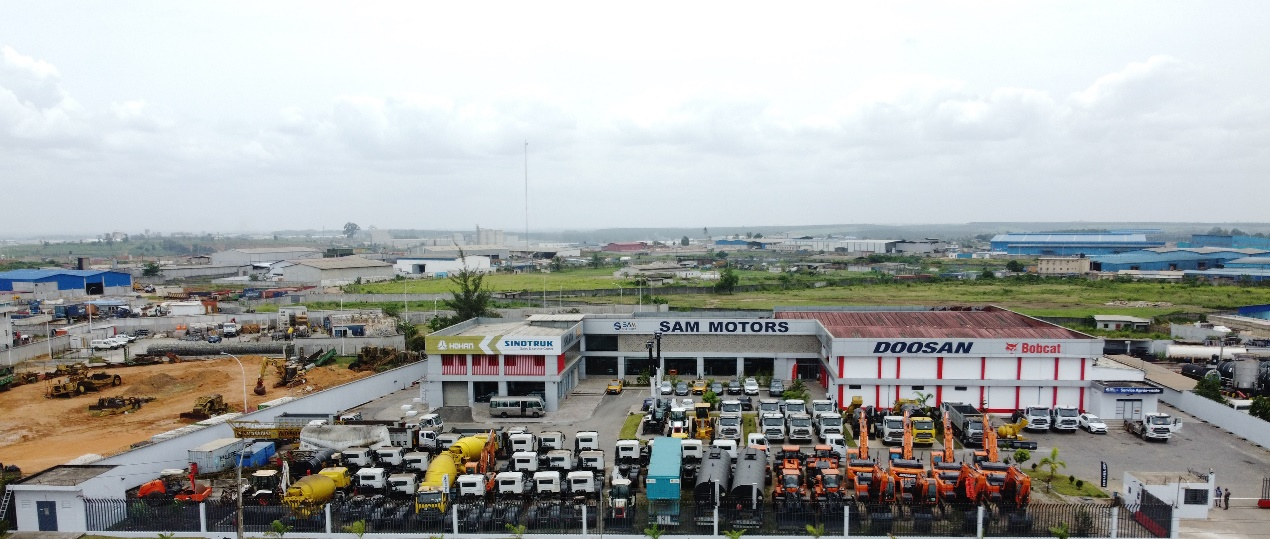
(43, 284)
(979, 355)
(441, 266)
(1069, 244)
(256, 255)
(1170, 259)
(331, 271)
(1229, 242)
(1062, 265)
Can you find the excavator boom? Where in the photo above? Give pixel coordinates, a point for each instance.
(949, 454)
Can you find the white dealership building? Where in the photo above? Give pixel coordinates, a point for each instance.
(985, 356)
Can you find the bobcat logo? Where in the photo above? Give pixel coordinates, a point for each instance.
(1009, 347)
(442, 346)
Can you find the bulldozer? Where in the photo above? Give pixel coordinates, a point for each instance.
(704, 428)
(118, 405)
(79, 384)
(206, 406)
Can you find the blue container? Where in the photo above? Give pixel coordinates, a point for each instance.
(257, 454)
(664, 466)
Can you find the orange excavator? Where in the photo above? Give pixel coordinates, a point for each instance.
(905, 451)
(945, 476)
(995, 475)
(169, 487)
(871, 483)
(905, 473)
(989, 451)
(828, 485)
(949, 453)
(971, 485)
(1017, 487)
(861, 452)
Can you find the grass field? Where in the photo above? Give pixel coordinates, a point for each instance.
(1063, 485)
(630, 427)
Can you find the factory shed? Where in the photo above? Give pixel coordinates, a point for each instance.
(1067, 244)
(45, 284)
(332, 271)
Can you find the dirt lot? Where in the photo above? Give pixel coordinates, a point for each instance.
(37, 432)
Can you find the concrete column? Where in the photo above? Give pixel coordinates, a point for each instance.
(502, 388)
(740, 367)
(979, 521)
(1115, 521)
(621, 368)
(552, 390)
(202, 517)
(701, 366)
(327, 510)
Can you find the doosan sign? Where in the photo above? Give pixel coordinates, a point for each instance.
(923, 347)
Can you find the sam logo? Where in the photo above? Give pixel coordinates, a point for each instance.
(1011, 346)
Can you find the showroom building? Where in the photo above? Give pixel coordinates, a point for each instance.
(986, 356)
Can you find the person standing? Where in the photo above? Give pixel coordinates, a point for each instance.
(1226, 499)
(1217, 497)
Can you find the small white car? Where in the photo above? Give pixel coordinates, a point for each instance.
(666, 387)
(1091, 423)
(751, 386)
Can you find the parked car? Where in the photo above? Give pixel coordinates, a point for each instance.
(615, 387)
(716, 388)
(486, 397)
(747, 404)
(648, 404)
(681, 388)
(776, 389)
(734, 387)
(1092, 423)
(666, 387)
(213, 338)
(751, 386)
(698, 387)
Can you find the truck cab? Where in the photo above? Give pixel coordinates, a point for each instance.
(550, 440)
(692, 450)
(794, 406)
(360, 456)
(769, 406)
(471, 486)
(371, 479)
(628, 451)
(559, 460)
(592, 461)
(891, 429)
(728, 446)
(773, 426)
(586, 440)
(728, 426)
(1154, 426)
(581, 483)
(427, 440)
(524, 461)
(730, 406)
(524, 441)
(800, 427)
(510, 484)
(828, 423)
(923, 430)
(415, 460)
(547, 483)
(1038, 418)
(390, 455)
(403, 484)
(821, 406)
(1064, 418)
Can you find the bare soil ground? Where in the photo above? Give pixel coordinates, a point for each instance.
(38, 432)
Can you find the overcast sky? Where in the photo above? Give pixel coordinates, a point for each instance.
(255, 116)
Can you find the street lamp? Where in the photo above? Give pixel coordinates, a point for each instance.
(238, 486)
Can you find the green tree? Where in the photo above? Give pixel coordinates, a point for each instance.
(727, 281)
(1209, 387)
(357, 528)
(150, 269)
(1053, 464)
(987, 273)
(683, 241)
(816, 531)
(471, 300)
(277, 529)
(721, 255)
(733, 534)
(654, 531)
(1014, 266)
(1060, 531)
(1021, 456)
(1260, 408)
(351, 229)
(597, 261)
(557, 263)
(517, 531)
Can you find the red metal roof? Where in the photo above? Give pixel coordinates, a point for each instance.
(988, 324)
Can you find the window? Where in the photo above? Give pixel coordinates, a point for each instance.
(959, 388)
(919, 388)
(853, 386)
(1195, 496)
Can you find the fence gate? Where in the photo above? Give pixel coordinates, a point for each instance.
(1154, 515)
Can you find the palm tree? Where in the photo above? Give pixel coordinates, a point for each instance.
(1053, 464)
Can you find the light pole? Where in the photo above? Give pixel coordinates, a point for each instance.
(238, 486)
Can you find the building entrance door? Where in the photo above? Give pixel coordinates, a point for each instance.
(47, 512)
(1129, 409)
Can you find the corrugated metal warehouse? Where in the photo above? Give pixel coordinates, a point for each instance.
(332, 271)
(1065, 244)
(62, 283)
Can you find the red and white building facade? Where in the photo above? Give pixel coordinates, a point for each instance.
(987, 357)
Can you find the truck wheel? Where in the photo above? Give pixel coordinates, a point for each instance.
(80, 389)
(504, 414)
(116, 380)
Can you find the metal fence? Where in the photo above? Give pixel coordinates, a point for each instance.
(388, 515)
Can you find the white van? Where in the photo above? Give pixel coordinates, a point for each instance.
(517, 406)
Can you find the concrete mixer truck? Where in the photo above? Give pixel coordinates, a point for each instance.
(307, 495)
